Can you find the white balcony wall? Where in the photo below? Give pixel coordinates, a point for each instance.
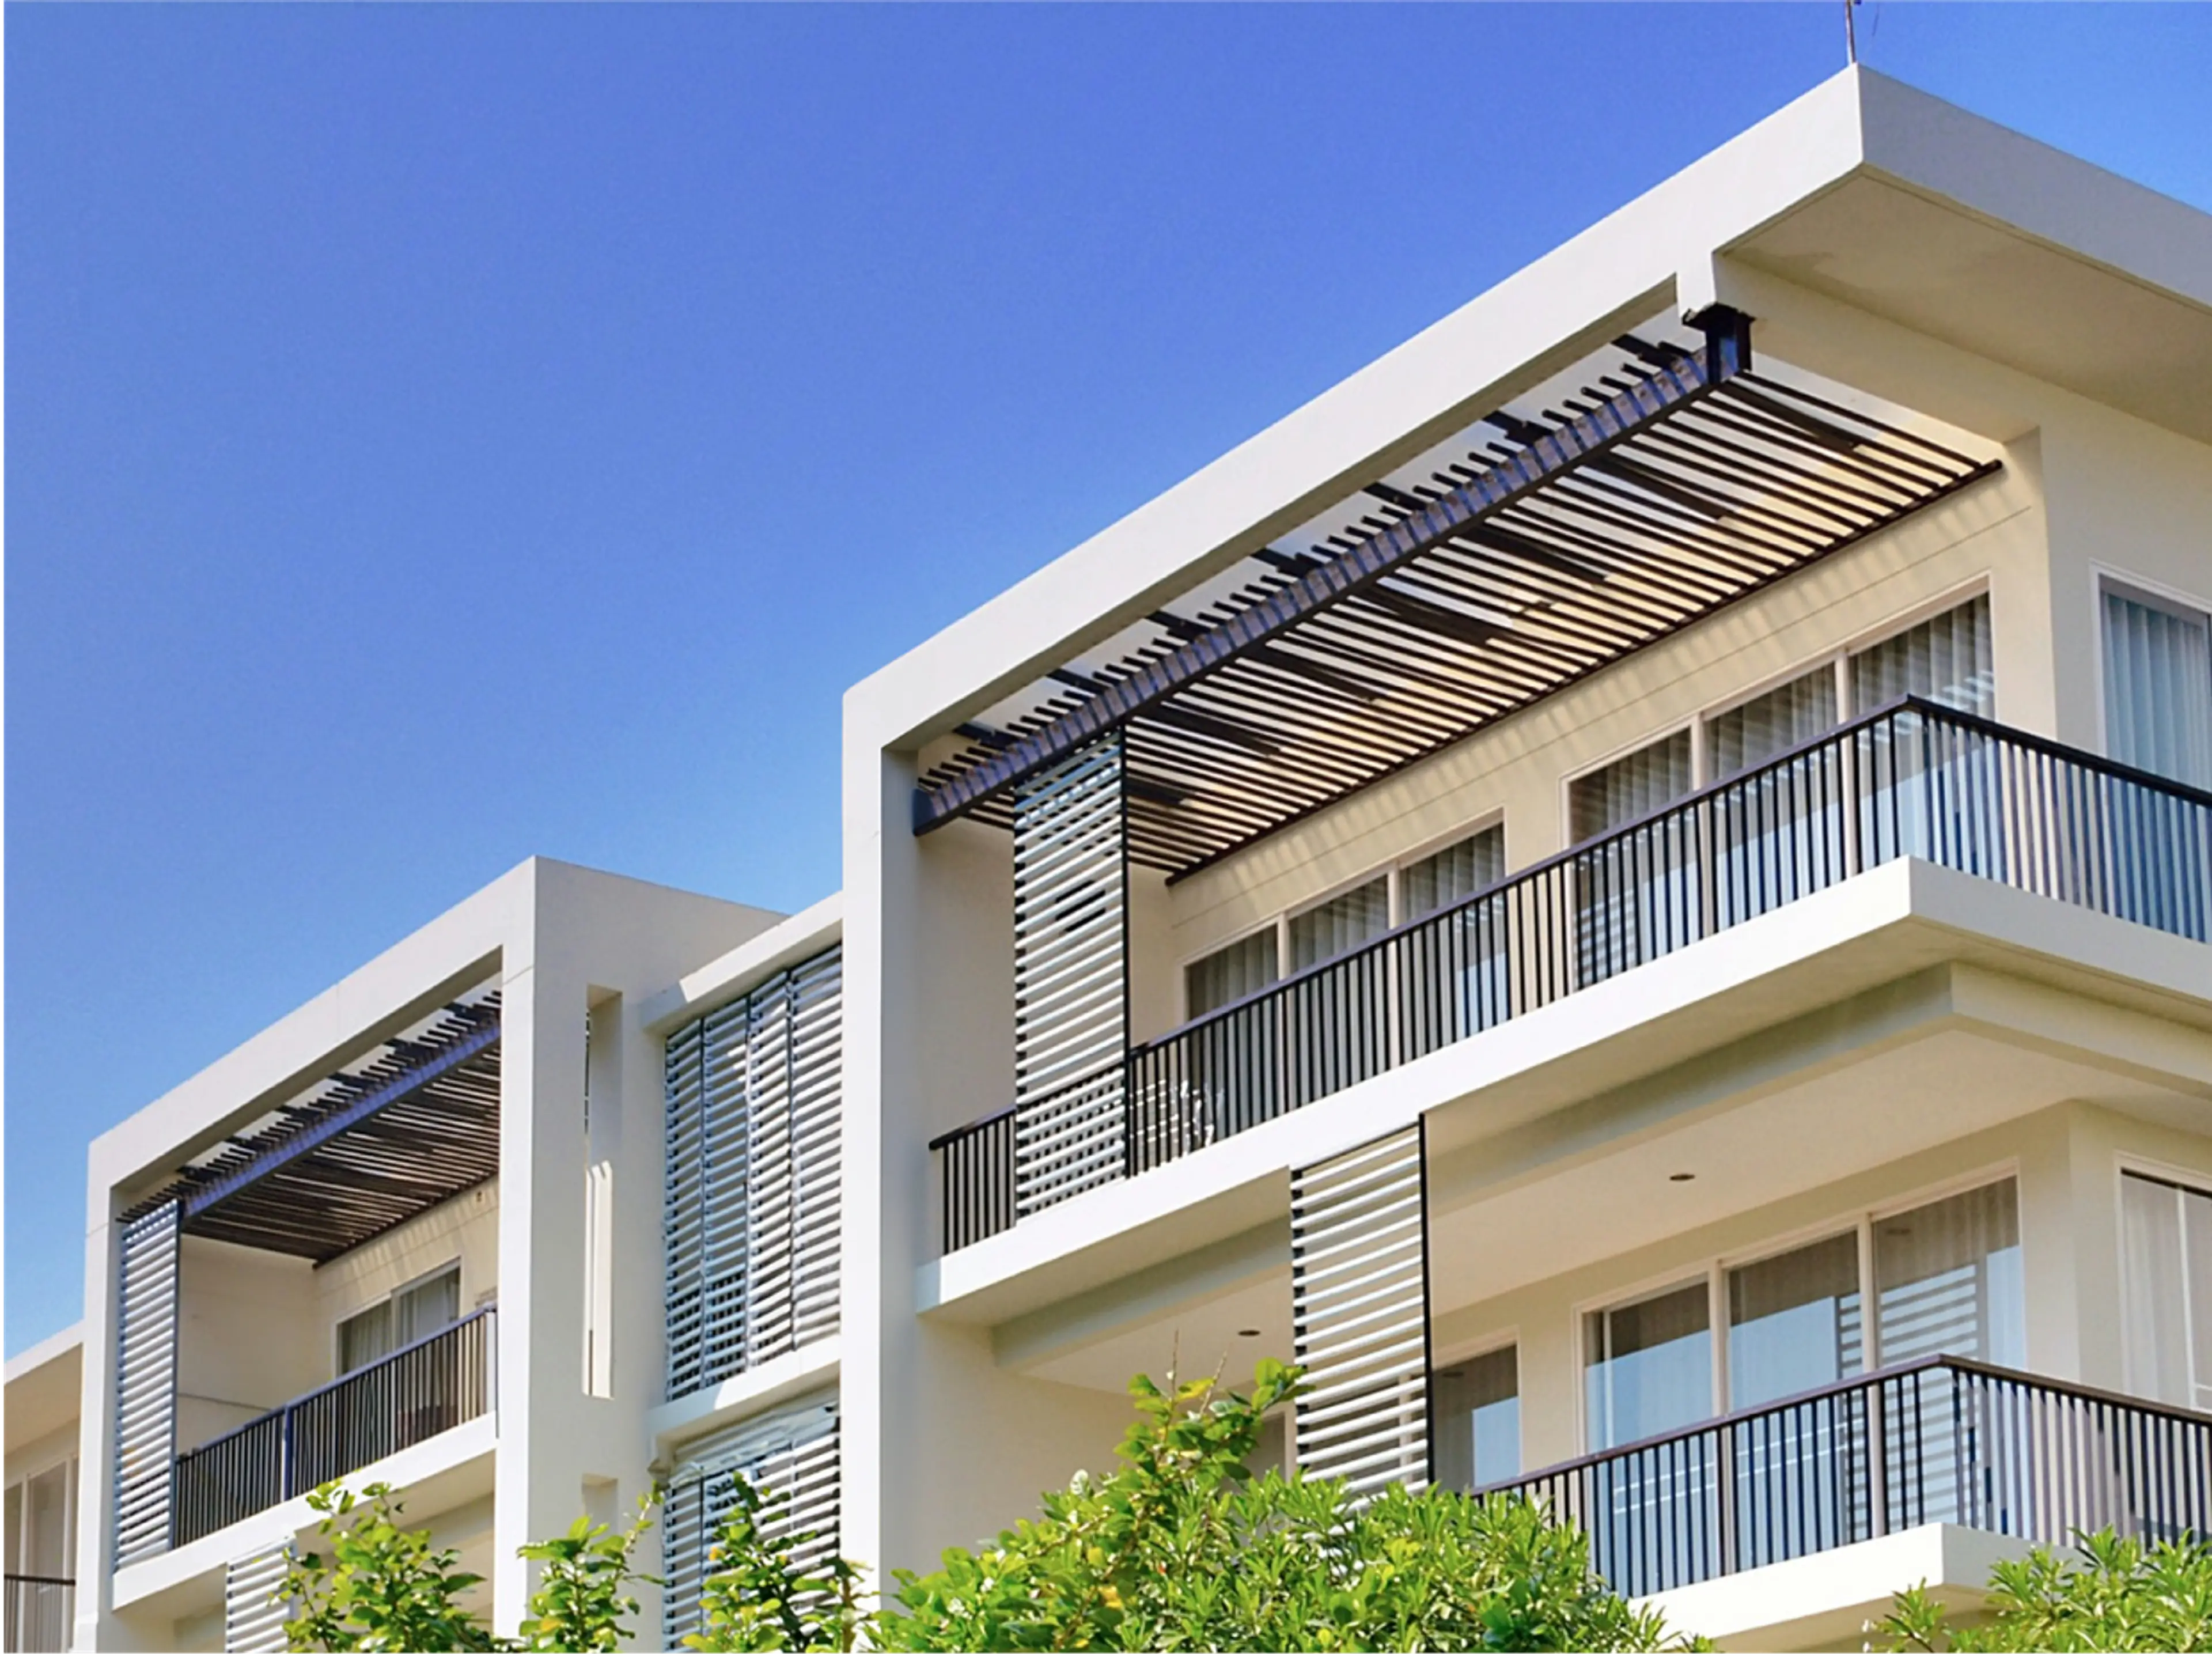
(246, 1337)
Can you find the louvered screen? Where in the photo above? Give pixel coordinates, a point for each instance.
(1359, 1313)
(252, 1615)
(755, 1102)
(791, 1456)
(1070, 976)
(146, 1384)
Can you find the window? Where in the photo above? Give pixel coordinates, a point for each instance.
(1478, 1420)
(1794, 1322)
(1341, 924)
(1946, 1282)
(413, 1312)
(1646, 780)
(1747, 736)
(1451, 873)
(2167, 1273)
(1945, 659)
(1649, 1366)
(1231, 973)
(2158, 687)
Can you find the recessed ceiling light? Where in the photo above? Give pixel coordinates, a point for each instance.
(1681, 1176)
(1248, 1332)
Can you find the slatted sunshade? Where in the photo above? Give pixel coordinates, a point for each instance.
(1657, 482)
(387, 1137)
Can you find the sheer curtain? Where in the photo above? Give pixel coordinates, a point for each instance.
(2167, 1281)
(2158, 689)
(1457, 870)
(1947, 659)
(1948, 1279)
(1231, 973)
(1794, 1322)
(1341, 924)
(1746, 736)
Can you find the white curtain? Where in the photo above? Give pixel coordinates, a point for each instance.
(2158, 690)
(2167, 1279)
(1948, 1279)
(1634, 785)
(1457, 870)
(1745, 737)
(1947, 659)
(1242, 968)
(1341, 924)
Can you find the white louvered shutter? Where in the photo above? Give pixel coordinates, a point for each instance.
(252, 1615)
(1070, 976)
(755, 1111)
(146, 1384)
(791, 1456)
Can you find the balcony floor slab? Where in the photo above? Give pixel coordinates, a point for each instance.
(451, 1468)
(1825, 1601)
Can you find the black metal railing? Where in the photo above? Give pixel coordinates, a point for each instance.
(1937, 1440)
(1910, 779)
(41, 1613)
(408, 1397)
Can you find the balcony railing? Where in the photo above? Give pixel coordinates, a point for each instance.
(1910, 779)
(409, 1396)
(1938, 1440)
(40, 1613)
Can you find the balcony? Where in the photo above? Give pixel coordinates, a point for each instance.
(1912, 779)
(41, 1613)
(1939, 1440)
(417, 1392)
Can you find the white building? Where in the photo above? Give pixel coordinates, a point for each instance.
(1631, 885)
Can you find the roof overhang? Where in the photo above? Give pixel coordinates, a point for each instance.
(380, 1141)
(1654, 484)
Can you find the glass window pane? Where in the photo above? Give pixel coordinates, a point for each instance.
(1456, 871)
(365, 1337)
(1341, 924)
(1794, 1321)
(1242, 968)
(1628, 787)
(1745, 737)
(1478, 1420)
(1946, 659)
(426, 1308)
(2153, 1276)
(1948, 1279)
(1649, 1366)
(2158, 689)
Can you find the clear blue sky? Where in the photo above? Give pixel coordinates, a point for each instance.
(440, 434)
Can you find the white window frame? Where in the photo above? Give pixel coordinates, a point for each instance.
(1716, 1267)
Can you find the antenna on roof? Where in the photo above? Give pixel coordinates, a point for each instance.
(1851, 30)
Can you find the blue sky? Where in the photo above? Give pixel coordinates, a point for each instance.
(437, 435)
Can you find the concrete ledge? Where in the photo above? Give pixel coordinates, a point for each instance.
(1825, 1601)
(690, 1417)
(719, 981)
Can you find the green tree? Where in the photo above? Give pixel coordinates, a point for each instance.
(2113, 1594)
(379, 1586)
(1181, 1547)
(583, 1595)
